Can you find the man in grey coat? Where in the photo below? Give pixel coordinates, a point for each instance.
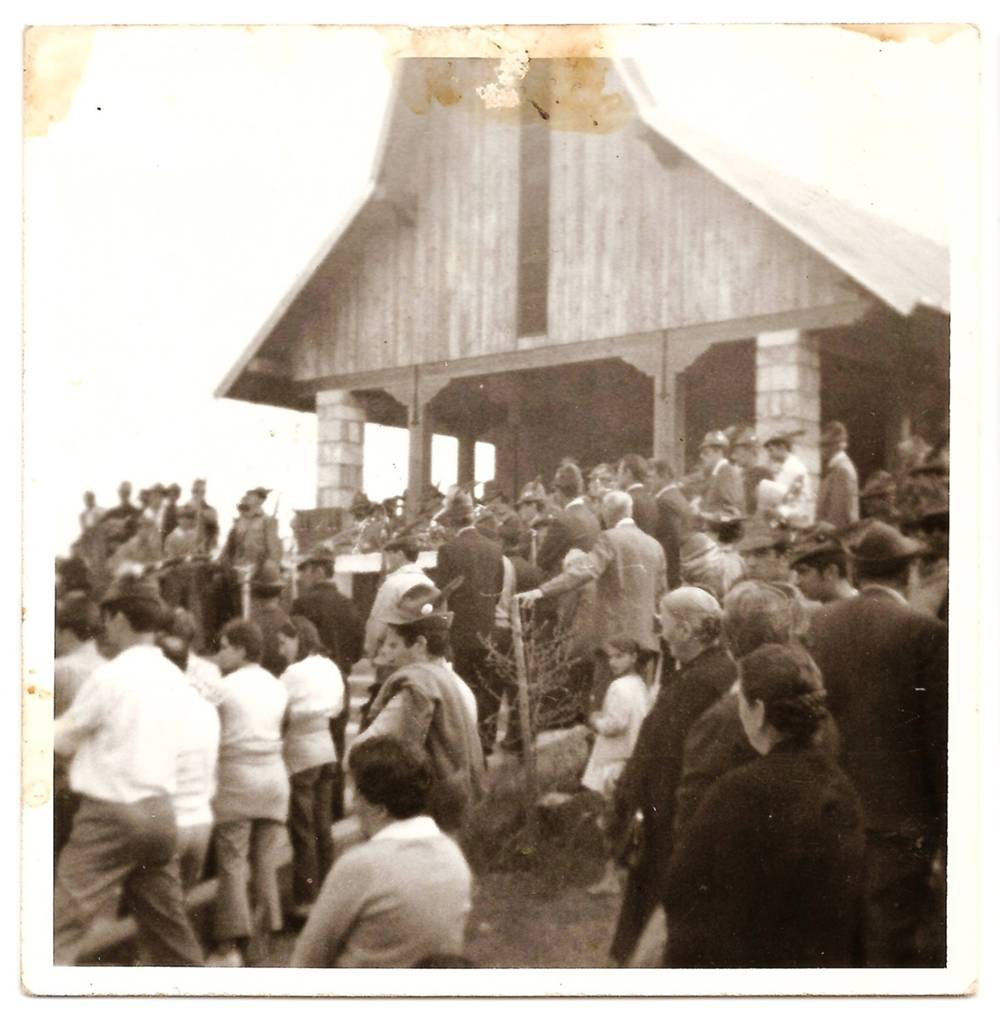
(631, 574)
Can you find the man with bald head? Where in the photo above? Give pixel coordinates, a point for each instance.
(630, 570)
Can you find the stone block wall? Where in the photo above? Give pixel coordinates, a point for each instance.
(340, 448)
(788, 392)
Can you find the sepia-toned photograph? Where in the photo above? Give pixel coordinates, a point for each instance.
(497, 514)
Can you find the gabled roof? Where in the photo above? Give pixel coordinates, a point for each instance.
(901, 268)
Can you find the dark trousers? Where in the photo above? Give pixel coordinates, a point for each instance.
(338, 732)
(130, 849)
(309, 823)
(904, 919)
(472, 667)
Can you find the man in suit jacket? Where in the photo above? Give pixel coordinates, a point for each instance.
(633, 471)
(478, 562)
(631, 574)
(885, 667)
(722, 499)
(574, 525)
(341, 631)
(673, 518)
(838, 491)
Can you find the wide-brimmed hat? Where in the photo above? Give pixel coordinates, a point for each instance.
(420, 603)
(761, 537)
(318, 556)
(266, 581)
(132, 587)
(260, 492)
(715, 439)
(784, 438)
(820, 539)
(881, 544)
(742, 437)
(879, 484)
(408, 545)
(457, 505)
(697, 545)
(533, 493)
(492, 491)
(834, 432)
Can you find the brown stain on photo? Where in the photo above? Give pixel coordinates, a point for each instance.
(54, 62)
(905, 33)
(457, 62)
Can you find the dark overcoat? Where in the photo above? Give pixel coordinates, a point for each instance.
(770, 872)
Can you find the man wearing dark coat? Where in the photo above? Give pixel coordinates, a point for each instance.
(691, 625)
(838, 492)
(573, 525)
(673, 518)
(479, 563)
(885, 668)
(342, 633)
(633, 472)
(722, 498)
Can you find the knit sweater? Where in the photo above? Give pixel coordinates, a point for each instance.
(389, 902)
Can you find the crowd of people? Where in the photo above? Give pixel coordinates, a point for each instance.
(762, 665)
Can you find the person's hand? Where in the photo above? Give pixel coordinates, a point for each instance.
(528, 598)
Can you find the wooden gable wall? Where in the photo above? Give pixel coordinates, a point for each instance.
(641, 239)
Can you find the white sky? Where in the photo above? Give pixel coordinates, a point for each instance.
(199, 169)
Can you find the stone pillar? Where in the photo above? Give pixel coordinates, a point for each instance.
(788, 391)
(466, 458)
(340, 448)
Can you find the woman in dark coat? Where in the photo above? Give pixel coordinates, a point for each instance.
(769, 871)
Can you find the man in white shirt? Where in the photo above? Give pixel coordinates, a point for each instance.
(791, 475)
(125, 732)
(77, 658)
(399, 559)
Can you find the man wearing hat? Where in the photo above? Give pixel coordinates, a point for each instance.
(426, 704)
(496, 501)
(573, 525)
(885, 667)
(929, 592)
(819, 565)
(877, 499)
(266, 612)
(206, 518)
(399, 563)
(791, 476)
(478, 563)
(764, 552)
(722, 497)
(744, 452)
(253, 538)
(341, 632)
(838, 491)
(532, 508)
(125, 734)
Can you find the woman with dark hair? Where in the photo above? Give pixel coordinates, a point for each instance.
(315, 696)
(405, 894)
(425, 704)
(769, 871)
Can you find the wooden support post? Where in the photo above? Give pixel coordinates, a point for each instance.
(466, 459)
(527, 732)
(421, 426)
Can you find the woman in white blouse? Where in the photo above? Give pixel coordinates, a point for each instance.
(315, 695)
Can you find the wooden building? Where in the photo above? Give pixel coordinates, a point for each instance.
(582, 275)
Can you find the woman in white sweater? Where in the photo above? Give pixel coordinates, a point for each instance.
(405, 894)
(315, 691)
